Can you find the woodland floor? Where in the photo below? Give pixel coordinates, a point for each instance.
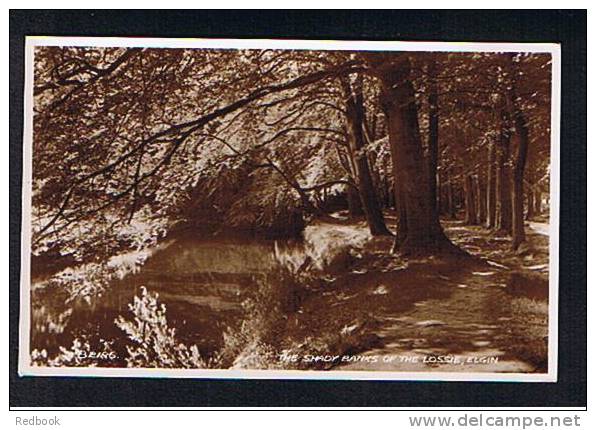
(492, 310)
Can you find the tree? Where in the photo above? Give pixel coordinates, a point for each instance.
(355, 116)
(143, 125)
(128, 142)
(419, 230)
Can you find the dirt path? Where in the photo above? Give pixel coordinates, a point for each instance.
(469, 326)
(468, 319)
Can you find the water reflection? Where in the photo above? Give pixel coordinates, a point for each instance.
(201, 282)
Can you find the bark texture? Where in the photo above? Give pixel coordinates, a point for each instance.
(366, 186)
(422, 233)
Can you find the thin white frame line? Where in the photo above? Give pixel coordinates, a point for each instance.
(342, 45)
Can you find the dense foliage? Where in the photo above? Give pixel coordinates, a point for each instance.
(130, 142)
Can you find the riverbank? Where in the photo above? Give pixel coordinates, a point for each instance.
(245, 303)
(362, 304)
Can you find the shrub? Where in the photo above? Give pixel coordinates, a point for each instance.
(154, 343)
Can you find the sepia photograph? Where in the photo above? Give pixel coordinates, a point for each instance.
(226, 208)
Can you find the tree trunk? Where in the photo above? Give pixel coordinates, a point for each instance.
(433, 130)
(471, 215)
(391, 196)
(537, 203)
(480, 190)
(388, 194)
(530, 204)
(450, 201)
(439, 200)
(503, 184)
(522, 140)
(423, 234)
(375, 174)
(354, 205)
(366, 187)
(401, 228)
(491, 182)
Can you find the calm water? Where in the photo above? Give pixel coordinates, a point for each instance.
(201, 282)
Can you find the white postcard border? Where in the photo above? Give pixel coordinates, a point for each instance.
(24, 366)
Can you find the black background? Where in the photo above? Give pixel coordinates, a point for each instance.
(565, 27)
